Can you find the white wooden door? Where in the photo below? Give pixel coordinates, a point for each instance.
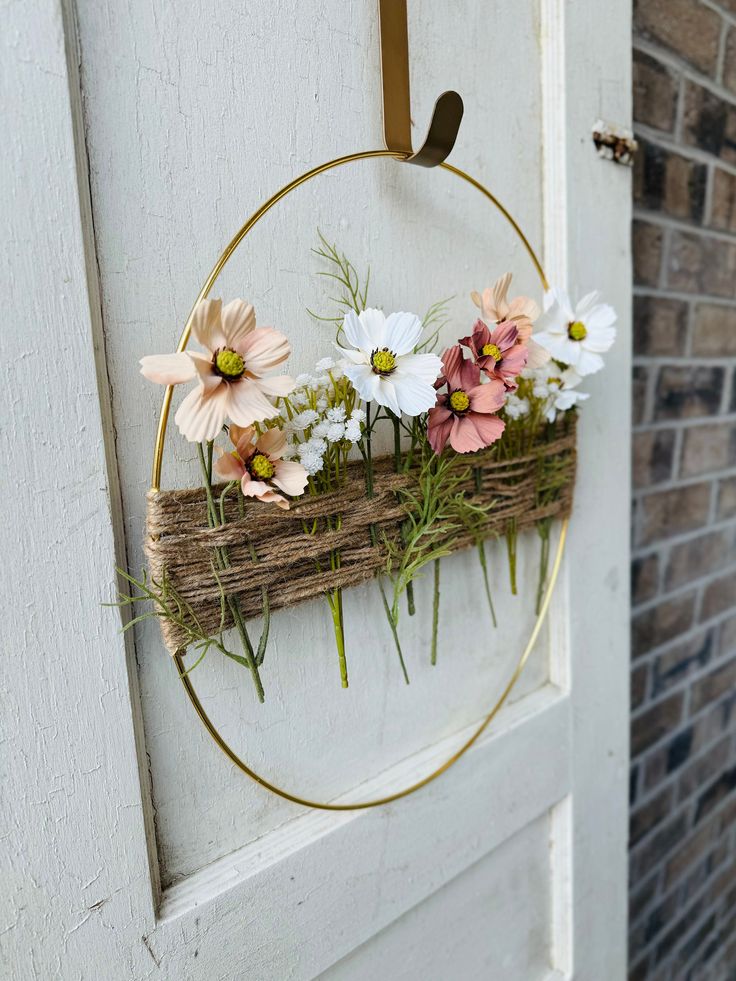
(142, 133)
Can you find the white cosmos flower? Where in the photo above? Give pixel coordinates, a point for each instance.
(576, 337)
(559, 390)
(383, 368)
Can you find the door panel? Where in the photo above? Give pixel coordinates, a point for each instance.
(507, 894)
(426, 237)
(167, 862)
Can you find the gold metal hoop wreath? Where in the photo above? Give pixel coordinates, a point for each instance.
(156, 478)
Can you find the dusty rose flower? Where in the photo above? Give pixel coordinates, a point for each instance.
(465, 413)
(230, 371)
(495, 307)
(259, 467)
(497, 353)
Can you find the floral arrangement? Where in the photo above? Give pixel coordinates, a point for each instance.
(501, 393)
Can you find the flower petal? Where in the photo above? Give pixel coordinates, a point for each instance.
(247, 404)
(586, 305)
(489, 428)
(263, 348)
(402, 332)
(272, 443)
(242, 440)
(208, 378)
(500, 292)
(168, 369)
(227, 467)
(201, 417)
(387, 396)
(355, 332)
(427, 367)
(487, 398)
(256, 488)
(601, 316)
(414, 394)
(238, 321)
(439, 426)
(599, 339)
(538, 355)
(291, 477)
(207, 326)
(277, 385)
(374, 327)
(505, 335)
(464, 437)
(365, 381)
(459, 372)
(588, 362)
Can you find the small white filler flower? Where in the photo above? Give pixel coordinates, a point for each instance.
(576, 337)
(384, 368)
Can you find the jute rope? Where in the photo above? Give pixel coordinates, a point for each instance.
(293, 547)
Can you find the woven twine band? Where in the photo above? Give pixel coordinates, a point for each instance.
(294, 563)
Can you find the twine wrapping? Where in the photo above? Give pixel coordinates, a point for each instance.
(180, 544)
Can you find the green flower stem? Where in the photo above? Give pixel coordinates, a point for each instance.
(392, 624)
(396, 420)
(368, 458)
(435, 609)
(481, 546)
(511, 542)
(543, 529)
(223, 562)
(335, 601)
(265, 604)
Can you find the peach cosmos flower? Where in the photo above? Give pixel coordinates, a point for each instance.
(465, 414)
(259, 466)
(495, 307)
(497, 353)
(230, 371)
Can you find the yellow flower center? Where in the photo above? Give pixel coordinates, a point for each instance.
(459, 401)
(229, 364)
(576, 331)
(383, 362)
(554, 381)
(491, 351)
(261, 466)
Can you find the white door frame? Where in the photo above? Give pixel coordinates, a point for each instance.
(79, 860)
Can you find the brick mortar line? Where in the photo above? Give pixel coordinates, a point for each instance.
(686, 636)
(716, 910)
(682, 590)
(662, 220)
(728, 18)
(662, 895)
(686, 684)
(645, 550)
(685, 588)
(657, 293)
(679, 483)
(666, 544)
(693, 422)
(684, 361)
(677, 809)
(670, 60)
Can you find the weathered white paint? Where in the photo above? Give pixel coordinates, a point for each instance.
(180, 149)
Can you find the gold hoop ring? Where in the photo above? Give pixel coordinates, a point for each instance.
(156, 479)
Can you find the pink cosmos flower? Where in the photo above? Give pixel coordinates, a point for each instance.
(259, 467)
(464, 415)
(497, 353)
(495, 307)
(237, 354)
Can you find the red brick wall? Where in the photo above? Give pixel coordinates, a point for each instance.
(683, 781)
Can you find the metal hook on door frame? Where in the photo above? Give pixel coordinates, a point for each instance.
(448, 110)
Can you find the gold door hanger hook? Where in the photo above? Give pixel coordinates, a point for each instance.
(448, 110)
